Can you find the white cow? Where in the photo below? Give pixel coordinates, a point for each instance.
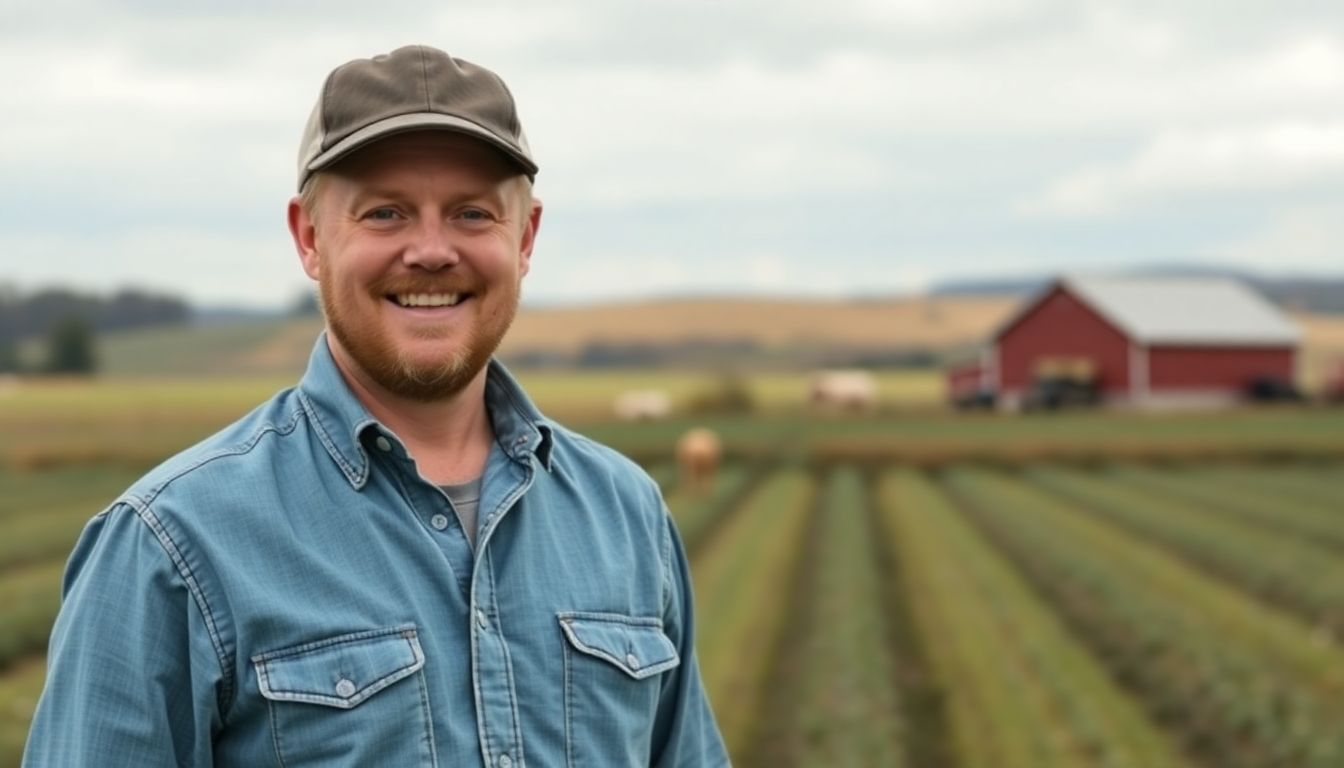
(643, 405)
(844, 389)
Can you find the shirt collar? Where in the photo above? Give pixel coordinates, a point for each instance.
(340, 420)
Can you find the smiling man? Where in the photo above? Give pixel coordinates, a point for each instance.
(399, 562)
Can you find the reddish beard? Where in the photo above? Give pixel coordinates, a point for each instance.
(394, 370)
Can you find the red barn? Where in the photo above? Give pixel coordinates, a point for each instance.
(1142, 341)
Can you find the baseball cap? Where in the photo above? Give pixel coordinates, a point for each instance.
(410, 89)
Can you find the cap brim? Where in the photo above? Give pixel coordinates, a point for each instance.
(418, 121)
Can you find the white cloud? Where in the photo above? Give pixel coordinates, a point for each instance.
(142, 134)
(943, 14)
(1300, 238)
(1312, 64)
(1181, 163)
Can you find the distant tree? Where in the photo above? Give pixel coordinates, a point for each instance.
(9, 356)
(133, 308)
(35, 315)
(70, 347)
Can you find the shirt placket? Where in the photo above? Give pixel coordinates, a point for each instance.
(492, 669)
(434, 510)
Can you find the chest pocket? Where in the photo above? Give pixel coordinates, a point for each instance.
(614, 673)
(350, 700)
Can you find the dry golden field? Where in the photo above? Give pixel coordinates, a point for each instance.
(936, 322)
(1322, 348)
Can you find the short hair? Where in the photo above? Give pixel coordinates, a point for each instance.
(312, 188)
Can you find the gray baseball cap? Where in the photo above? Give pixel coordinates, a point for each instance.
(410, 89)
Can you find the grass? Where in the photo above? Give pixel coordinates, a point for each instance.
(239, 349)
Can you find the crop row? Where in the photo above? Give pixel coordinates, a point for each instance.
(29, 599)
(697, 513)
(834, 699)
(1276, 565)
(1052, 606)
(34, 494)
(20, 685)
(1318, 520)
(1288, 485)
(1020, 691)
(1242, 683)
(741, 603)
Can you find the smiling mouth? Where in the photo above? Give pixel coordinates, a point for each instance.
(427, 299)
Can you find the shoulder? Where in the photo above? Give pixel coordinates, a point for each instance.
(237, 449)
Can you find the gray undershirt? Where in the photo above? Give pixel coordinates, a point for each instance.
(465, 497)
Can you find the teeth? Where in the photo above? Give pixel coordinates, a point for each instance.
(427, 299)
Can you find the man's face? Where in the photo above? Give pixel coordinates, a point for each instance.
(419, 244)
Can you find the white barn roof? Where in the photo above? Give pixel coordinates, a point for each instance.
(1185, 310)
(1200, 311)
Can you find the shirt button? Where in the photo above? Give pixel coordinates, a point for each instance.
(345, 689)
(632, 661)
(505, 761)
(481, 620)
(383, 444)
(439, 522)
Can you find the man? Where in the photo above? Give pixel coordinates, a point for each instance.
(400, 562)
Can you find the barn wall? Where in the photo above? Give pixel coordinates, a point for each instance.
(1062, 326)
(1206, 368)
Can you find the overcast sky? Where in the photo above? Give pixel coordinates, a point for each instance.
(853, 146)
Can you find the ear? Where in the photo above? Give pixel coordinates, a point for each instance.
(304, 232)
(529, 237)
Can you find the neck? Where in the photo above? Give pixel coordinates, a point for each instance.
(449, 438)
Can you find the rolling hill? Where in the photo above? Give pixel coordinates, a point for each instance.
(781, 333)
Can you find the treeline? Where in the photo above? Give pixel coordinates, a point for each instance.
(67, 322)
(717, 353)
(25, 316)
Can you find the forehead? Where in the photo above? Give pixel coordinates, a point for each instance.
(423, 152)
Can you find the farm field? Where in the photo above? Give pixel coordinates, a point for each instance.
(908, 588)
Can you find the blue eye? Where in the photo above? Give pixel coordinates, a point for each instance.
(381, 214)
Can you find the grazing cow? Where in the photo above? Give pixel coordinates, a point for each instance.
(698, 453)
(643, 405)
(847, 390)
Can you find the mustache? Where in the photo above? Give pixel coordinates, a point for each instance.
(388, 286)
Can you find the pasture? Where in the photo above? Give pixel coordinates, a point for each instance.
(902, 588)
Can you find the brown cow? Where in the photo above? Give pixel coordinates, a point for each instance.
(698, 453)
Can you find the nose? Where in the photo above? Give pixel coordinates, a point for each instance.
(431, 247)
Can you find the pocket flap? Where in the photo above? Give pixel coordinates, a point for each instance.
(636, 645)
(340, 671)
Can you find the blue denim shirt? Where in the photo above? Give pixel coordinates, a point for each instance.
(291, 593)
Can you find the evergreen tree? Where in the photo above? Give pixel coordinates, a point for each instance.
(70, 347)
(9, 356)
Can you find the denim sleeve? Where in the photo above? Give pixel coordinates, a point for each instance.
(685, 734)
(132, 674)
